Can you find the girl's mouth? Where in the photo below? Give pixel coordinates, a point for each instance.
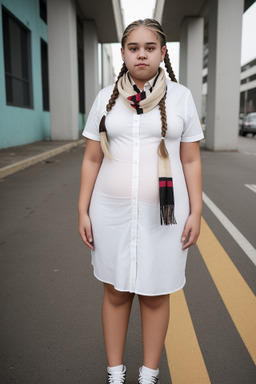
(141, 65)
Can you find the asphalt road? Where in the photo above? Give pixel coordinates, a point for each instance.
(50, 318)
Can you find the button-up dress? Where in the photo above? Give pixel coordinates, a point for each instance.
(133, 251)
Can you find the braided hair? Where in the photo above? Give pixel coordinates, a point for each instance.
(155, 27)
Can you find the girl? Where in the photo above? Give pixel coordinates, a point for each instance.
(141, 172)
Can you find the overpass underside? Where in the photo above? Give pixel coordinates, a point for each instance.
(193, 23)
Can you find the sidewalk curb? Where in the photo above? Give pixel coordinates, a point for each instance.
(20, 165)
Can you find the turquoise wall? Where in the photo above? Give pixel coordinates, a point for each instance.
(21, 125)
(81, 122)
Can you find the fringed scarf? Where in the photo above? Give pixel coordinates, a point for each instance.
(166, 191)
(142, 102)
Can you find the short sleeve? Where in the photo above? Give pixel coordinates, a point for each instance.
(192, 127)
(91, 129)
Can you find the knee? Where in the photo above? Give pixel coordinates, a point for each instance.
(154, 302)
(116, 298)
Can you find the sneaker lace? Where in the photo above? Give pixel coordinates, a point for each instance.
(147, 380)
(116, 378)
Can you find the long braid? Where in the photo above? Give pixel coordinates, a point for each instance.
(168, 66)
(103, 131)
(162, 150)
(115, 92)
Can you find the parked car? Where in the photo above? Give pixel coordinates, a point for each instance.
(248, 125)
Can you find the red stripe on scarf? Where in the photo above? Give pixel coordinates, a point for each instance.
(162, 183)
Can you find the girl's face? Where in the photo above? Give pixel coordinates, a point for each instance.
(142, 55)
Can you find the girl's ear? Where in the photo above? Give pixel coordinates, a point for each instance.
(163, 52)
(122, 53)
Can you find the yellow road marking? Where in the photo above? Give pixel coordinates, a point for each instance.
(184, 356)
(236, 295)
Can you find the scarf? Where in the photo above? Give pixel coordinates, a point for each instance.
(142, 102)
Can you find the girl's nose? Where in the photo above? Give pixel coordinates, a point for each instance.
(142, 54)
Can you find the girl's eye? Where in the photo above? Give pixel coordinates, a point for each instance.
(135, 49)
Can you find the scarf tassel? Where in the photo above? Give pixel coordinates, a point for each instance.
(166, 201)
(167, 215)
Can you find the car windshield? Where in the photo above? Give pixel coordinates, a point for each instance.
(251, 117)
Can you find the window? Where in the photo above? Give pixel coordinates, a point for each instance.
(43, 10)
(81, 81)
(80, 53)
(45, 75)
(17, 61)
(248, 79)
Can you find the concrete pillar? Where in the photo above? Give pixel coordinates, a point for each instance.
(91, 64)
(191, 57)
(225, 30)
(108, 74)
(63, 69)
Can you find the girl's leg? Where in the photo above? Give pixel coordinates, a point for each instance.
(155, 320)
(116, 310)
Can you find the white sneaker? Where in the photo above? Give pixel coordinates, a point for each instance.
(145, 379)
(117, 377)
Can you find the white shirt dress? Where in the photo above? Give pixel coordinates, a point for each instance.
(133, 251)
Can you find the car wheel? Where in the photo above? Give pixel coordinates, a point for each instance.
(242, 133)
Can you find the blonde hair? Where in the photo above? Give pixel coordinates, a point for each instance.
(155, 27)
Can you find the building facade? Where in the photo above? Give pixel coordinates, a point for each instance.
(24, 91)
(248, 88)
(49, 70)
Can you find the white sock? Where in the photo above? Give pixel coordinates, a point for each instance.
(117, 368)
(149, 372)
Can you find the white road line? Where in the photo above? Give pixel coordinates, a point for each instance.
(252, 187)
(233, 231)
(249, 153)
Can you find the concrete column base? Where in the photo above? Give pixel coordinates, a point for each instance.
(63, 69)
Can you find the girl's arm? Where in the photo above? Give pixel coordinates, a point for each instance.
(191, 162)
(90, 168)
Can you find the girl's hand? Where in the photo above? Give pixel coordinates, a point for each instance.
(191, 230)
(85, 230)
